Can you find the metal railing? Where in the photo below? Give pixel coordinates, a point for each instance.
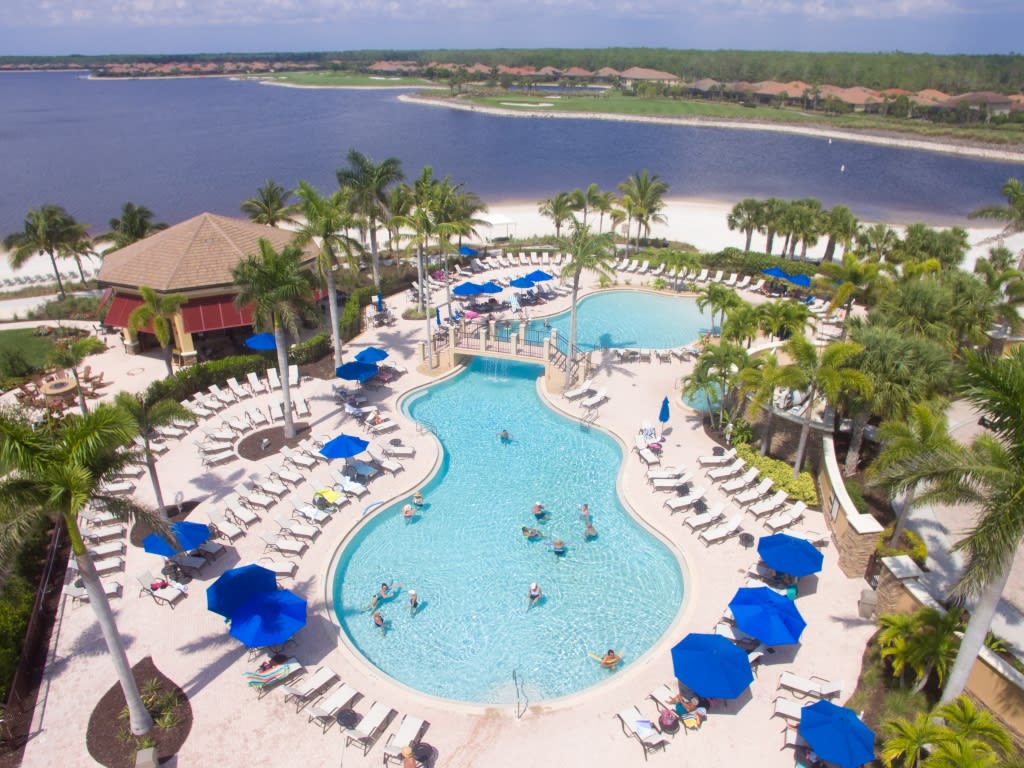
(522, 700)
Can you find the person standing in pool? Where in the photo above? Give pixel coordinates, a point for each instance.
(414, 602)
(538, 511)
(417, 499)
(504, 437)
(378, 622)
(585, 512)
(589, 532)
(534, 595)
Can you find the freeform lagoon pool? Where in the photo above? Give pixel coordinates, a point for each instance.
(471, 567)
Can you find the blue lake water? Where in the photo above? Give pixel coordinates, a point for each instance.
(471, 567)
(185, 146)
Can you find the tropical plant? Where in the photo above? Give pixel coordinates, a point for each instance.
(953, 735)
(841, 226)
(50, 230)
(877, 243)
(602, 202)
(758, 381)
(326, 220)
(1012, 213)
(646, 194)
(75, 249)
(279, 287)
(853, 280)
(922, 245)
(590, 253)
(135, 223)
(783, 319)
(804, 223)
(907, 742)
(368, 185)
(1006, 284)
(587, 200)
(270, 205)
(400, 203)
(147, 417)
(158, 311)
(741, 323)
(748, 217)
(54, 473)
(69, 355)
(773, 214)
(715, 375)
(558, 208)
(923, 642)
(988, 473)
(719, 299)
(826, 372)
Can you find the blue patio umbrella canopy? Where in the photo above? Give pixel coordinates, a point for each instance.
(467, 288)
(261, 341)
(235, 587)
(269, 618)
(789, 554)
(371, 355)
(465, 250)
(185, 535)
(380, 302)
(490, 288)
(803, 281)
(539, 276)
(521, 282)
(837, 734)
(776, 272)
(437, 315)
(356, 371)
(343, 446)
(663, 413)
(767, 615)
(712, 666)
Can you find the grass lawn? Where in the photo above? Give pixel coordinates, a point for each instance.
(328, 78)
(24, 341)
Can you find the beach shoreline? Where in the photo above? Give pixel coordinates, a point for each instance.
(949, 147)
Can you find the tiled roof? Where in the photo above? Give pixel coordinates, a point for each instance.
(642, 73)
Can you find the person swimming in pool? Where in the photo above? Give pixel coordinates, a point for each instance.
(538, 510)
(611, 659)
(379, 622)
(408, 512)
(534, 595)
(589, 532)
(417, 499)
(414, 602)
(531, 533)
(585, 511)
(505, 437)
(558, 547)
(386, 590)
(374, 602)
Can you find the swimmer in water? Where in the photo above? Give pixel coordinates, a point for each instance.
(534, 595)
(417, 499)
(589, 532)
(504, 436)
(531, 533)
(408, 511)
(538, 510)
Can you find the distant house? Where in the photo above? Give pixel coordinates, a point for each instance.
(549, 72)
(577, 73)
(861, 99)
(705, 87)
(642, 74)
(997, 104)
(770, 91)
(393, 67)
(607, 73)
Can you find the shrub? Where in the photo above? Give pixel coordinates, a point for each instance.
(312, 349)
(660, 284)
(781, 473)
(187, 381)
(853, 489)
(351, 321)
(68, 308)
(912, 545)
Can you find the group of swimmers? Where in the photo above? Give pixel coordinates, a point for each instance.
(409, 510)
(557, 545)
(389, 592)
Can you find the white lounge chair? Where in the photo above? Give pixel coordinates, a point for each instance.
(236, 424)
(218, 456)
(407, 735)
(382, 461)
(307, 688)
(253, 497)
(756, 287)
(786, 518)
(647, 456)
(642, 729)
(297, 459)
(730, 281)
(670, 483)
(161, 595)
(273, 380)
(81, 594)
(242, 514)
(346, 485)
(743, 282)
(704, 519)
(282, 544)
(308, 511)
(237, 389)
(293, 375)
(325, 711)
(301, 407)
(791, 710)
(105, 532)
(769, 505)
(718, 276)
(722, 532)
(275, 410)
(702, 276)
(731, 632)
(751, 495)
(225, 397)
(713, 461)
(118, 487)
(223, 527)
(221, 435)
(296, 529)
(666, 473)
(720, 473)
(256, 417)
(284, 474)
(283, 569)
(256, 384)
(583, 389)
(401, 451)
(595, 399)
(741, 482)
(169, 431)
(271, 487)
(817, 687)
(385, 426)
(366, 732)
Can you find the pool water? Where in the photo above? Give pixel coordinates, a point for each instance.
(471, 567)
(625, 319)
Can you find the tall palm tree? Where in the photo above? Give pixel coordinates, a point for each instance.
(270, 205)
(841, 226)
(586, 200)
(877, 242)
(758, 380)
(50, 230)
(279, 287)
(783, 319)
(741, 323)
(602, 202)
(907, 742)
(1006, 284)
(147, 417)
(136, 222)
(748, 217)
(76, 248)
(158, 311)
(988, 473)
(368, 184)
(853, 280)
(53, 473)
(805, 225)
(773, 212)
(827, 372)
(720, 299)
(558, 208)
(326, 220)
(591, 253)
(647, 192)
(716, 373)
(420, 221)
(70, 354)
(400, 203)
(1012, 213)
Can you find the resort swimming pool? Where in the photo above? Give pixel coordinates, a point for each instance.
(471, 567)
(633, 319)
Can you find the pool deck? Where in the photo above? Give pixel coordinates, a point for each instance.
(233, 728)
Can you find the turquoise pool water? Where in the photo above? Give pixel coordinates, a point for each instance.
(471, 567)
(626, 319)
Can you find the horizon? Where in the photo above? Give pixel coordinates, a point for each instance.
(190, 27)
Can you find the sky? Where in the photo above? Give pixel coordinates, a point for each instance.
(58, 27)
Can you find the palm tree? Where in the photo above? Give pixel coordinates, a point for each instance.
(748, 217)
(368, 184)
(827, 372)
(720, 299)
(158, 311)
(877, 243)
(147, 417)
(969, 722)
(602, 203)
(773, 212)
(1012, 213)
(908, 742)
(647, 192)
(75, 249)
(587, 200)
(783, 319)
(400, 203)
(841, 226)
(759, 380)
(591, 253)
(420, 220)
(279, 287)
(269, 205)
(805, 224)
(326, 220)
(50, 230)
(54, 473)
(741, 323)
(136, 223)
(989, 473)
(70, 354)
(854, 280)
(1006, 284)
(715, 374)
(558, 208)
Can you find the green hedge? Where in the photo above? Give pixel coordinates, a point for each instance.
(801, 489)
(912, 545)
(751, 262)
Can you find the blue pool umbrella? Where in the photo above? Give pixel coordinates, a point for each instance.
(789, 554)
(465, 250)
(712, 666)
(802, 280)
(490, 288)
(356, 371)
(837, 734)
(269, 618)
(185, 535)
(521, 282)
(663, 413)
(380, 302)
(467, 288)
(371, 355)
(237, 586)
(261, 341)
(539, 276)
(776, 272)
(770, 617)
(437, 315)
(343, 446)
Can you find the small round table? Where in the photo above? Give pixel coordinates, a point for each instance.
(747, 540)
(347, 718)
(423, 752)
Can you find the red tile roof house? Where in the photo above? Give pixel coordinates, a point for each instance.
(634, 74)
(997, 104)
(577, 72)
